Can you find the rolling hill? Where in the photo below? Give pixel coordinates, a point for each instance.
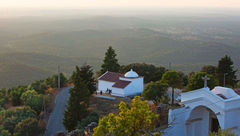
(32, 48)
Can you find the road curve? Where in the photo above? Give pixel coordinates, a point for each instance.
(55, 121)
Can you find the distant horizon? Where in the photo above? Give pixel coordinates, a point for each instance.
(37, 12)
(119, 4)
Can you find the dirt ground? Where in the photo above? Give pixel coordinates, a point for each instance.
(105, 106)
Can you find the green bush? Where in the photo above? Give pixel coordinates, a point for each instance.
(27, 127)
(10, 118)
(39, 86)
(92, 117)
(53, 81)
(222, 133)
(34, 100)
(15, 94)
(4, 132)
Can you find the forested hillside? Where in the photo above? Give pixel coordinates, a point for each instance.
(31, 47)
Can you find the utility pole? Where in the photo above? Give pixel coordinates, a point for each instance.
(59, 86)
(170, 68)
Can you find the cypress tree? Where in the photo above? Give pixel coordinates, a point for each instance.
(87, 75)
(77, 104)
(225, 66)
(110, 63)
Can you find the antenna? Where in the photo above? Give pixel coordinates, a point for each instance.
(59, 86)
(169, 65)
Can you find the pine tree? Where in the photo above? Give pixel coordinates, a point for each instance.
(77, 104)
(110, 62)
(173, 79)
(225, 66)
(86, 73)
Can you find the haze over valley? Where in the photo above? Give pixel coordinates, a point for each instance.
(31, 47)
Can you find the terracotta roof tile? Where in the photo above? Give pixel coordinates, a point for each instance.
(237, 90)
(121, 84)
(111, 76)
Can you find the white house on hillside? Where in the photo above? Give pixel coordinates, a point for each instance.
(206, 110)
(121, 85)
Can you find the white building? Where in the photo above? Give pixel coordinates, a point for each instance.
(121, 85)
(206, 110)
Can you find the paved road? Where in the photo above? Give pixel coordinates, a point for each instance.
(55, 121)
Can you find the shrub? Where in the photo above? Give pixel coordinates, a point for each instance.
(15, 94)
(92, 117)
(27, 127)
(39, 86)
(34, 100)
(10, 118)
(222, 133)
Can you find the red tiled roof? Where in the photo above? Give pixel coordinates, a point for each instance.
(111, 76)
(121, 84)
(222, 96)
(237, 90)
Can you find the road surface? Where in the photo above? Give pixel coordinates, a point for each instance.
(55, 121)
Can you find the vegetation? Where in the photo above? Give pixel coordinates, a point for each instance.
(3, 98)
(209, 69)
(196, 81)
(4, 132)
(34, 100)
(39, 86)
(27, 127)
(173, 79)
(156, 91)
(147, 42)
(225, 67)
(77, 103)
(149, 71)
(134, 121)
(10, 118)
(92, 117)
(16, 93)
(110, 63)
(23, 119)
(222, 133)
(87, 75)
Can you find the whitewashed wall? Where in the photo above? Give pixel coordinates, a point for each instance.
(104, 85)
(135, 87)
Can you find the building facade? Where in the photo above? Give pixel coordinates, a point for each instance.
(129, 84)
(204, 111)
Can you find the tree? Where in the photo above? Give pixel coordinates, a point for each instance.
(183, 77)
(92, 117)
(27, 127)
(110, 63)
(10, 118)
(38, 86)
(225, 66)
(77, 104)
(173, 79)
(196, 81)
(149, 71)
(87, 75)
(15, 94)
(209, 69)
(156, 91)
(63, 80)
(222, 133)
(134, 121)
(4, 132)
(3, 98)
(34, 100)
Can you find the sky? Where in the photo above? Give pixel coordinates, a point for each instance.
(118, 3)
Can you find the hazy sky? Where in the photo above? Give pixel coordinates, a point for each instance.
(119, 3)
